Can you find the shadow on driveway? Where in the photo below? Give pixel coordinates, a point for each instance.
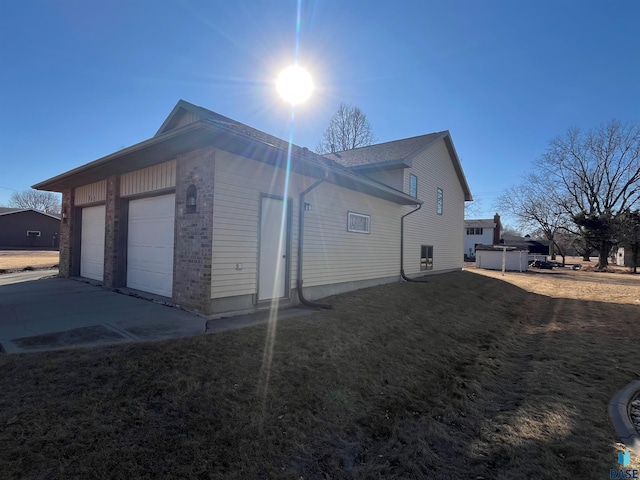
(58, 313)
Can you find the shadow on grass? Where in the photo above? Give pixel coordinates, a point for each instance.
(463, 377)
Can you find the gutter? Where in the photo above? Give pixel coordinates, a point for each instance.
(404, 277)
(304, 301)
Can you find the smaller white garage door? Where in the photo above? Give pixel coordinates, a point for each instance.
(92, 243)
(150, 244)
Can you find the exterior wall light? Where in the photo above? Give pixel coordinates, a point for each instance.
(192, 196)
(307, 206)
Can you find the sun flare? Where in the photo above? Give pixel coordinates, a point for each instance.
(294, 84)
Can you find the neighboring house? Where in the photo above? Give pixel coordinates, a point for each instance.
(219, 217)
(492, 257)
(28, 228)
(484, 231)
(538, 249)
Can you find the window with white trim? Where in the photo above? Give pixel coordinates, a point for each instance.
(439, 206)
(413, 185)
(358, 222)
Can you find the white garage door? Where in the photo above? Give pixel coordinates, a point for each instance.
(150, 244)
(92, 243)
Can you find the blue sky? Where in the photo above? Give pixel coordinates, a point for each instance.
(81, 79)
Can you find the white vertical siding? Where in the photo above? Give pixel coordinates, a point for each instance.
(93, 192)
(445, 232)
(156, 177)
(186, 119)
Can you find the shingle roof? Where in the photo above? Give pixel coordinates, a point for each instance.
(384, 152)
(9, 211)
(480, 223)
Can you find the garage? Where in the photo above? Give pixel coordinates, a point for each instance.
(150, 244)
(92, 242)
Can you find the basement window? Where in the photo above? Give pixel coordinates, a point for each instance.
(358, 222)
(426, 257)
(33, 233)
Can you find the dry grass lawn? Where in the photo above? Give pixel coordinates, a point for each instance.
(20, 259)
(466, 376)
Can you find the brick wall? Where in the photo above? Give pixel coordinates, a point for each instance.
(111, 233)
(66, 233)
(194, 232)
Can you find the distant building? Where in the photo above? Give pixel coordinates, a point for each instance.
(484, 231)
(27, 228)
(535, 247)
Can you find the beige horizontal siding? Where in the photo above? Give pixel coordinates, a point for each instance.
(445, 232)
(156, 177)
(239, 184)
(91, 193)
(334, 255)
(394, 178)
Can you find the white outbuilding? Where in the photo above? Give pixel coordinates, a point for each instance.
(497, 257)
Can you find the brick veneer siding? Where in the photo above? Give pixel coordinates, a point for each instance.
(192, 257)
(111, 233)
(66, 233)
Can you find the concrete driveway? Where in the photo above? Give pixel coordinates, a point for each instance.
(56, 313)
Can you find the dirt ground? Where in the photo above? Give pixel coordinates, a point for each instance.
(620, 287)
(20, 259)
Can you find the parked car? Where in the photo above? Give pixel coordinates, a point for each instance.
(542, 264)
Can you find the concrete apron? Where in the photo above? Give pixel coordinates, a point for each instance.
(57, 313)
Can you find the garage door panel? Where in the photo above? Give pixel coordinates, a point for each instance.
(92, 243)
(150, 244)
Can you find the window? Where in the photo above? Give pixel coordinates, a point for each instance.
(426, 257)
(440, 201)
(474, 231)
(358, 223)
(33, 233)
(413, 185)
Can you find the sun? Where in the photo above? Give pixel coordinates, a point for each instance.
(294, 84)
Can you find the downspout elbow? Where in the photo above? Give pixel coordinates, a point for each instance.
(402, 274)
(299, 281)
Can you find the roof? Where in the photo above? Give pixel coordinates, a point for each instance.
(480, 223)
(205, 128)
(399, 154)
(9, 211)
(499, 248)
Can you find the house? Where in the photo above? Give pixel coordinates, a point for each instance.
(538, 249)
(484, 231)
(27, 228)
(221, 217)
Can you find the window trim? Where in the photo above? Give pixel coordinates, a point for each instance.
(426, 262)
(440, 202)
(36, 233)
(351, 215)
(413, 192)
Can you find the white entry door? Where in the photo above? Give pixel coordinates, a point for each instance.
(273, 249)
(92, 243)
(150, 244)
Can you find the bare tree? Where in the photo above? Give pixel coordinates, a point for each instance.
(42, 201)
(348, 129)
(472, 209)
(598, 175)
(538, 206)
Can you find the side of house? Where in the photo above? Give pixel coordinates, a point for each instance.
(218, 217)
(484, 231)
(29, 229)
